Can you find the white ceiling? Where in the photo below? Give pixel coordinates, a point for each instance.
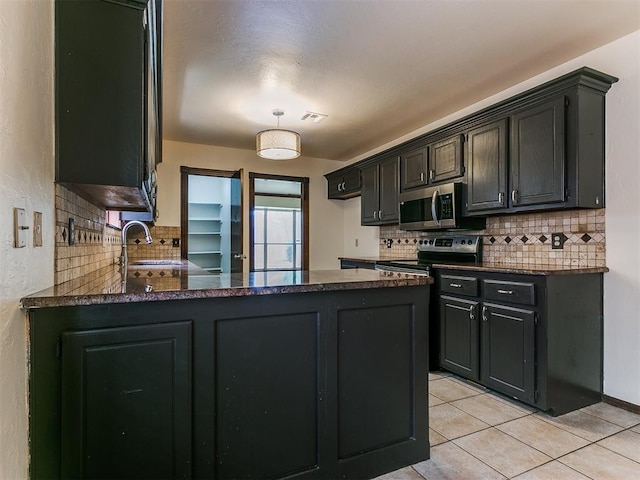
(378, 68)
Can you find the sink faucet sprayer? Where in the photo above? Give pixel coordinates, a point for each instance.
(124, 259)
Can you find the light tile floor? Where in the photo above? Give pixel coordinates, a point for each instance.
(477, 434)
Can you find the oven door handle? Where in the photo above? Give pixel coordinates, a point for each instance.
(434, 213)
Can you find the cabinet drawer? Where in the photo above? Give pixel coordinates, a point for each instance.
(513, 292)
(460, 285)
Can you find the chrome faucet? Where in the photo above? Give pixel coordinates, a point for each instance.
(124, 259)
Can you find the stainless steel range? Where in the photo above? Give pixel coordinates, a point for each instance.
(435, 249)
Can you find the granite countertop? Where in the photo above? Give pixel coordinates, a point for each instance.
(151, 283)
(523, 269)
(496, 267)
(377, 258)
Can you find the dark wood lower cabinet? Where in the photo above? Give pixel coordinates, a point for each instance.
(508, 351)
(536, 338)
(459, 331)
(314, 385)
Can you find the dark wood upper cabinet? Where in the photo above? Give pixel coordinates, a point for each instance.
(538, 154)
(414, 168)
(539, 150)
(344, 183)
(435, 163)
(380, 188)
(108, 103)
(487, 164)
(446, 162)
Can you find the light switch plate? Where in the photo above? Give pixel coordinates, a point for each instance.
(37, 229)
(20, 228)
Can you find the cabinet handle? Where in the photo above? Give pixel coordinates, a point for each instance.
(344, 187)
(501, 198)
(422, 176)
(471, 315)
(484, 314)
(514, 196)
(379, 214)
(432, 174)
(455, 285)
(505, 292)
(375, 214)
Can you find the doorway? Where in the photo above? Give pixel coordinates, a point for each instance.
(279, 226)
(211, 219)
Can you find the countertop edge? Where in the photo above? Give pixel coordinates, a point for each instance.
(34, 302)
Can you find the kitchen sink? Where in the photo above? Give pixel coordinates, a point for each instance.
(147, 263)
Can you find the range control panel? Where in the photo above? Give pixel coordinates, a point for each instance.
(468, 244)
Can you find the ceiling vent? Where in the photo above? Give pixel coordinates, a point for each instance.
(314, 117)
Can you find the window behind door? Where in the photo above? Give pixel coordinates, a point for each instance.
(279, 207)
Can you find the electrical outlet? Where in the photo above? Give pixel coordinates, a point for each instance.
(356, 243)
(72, 231)
(557, 240)
(175, 242)
(389, 242)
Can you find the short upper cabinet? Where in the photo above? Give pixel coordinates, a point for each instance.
(435, 163)
(446, 161)
(414, 168)
(343, 184)
(380, 185)
(487, 164)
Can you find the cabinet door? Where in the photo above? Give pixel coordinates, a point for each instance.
(414, 168)
(446, 159)
(370, 196)
(508, 351)
(487, 163)
(389, 186)
(459, 340)
(351, 180)
(100, 116)
(126, 402)
(537, 154)
(334, 186)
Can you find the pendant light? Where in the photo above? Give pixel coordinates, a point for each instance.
(278, 144)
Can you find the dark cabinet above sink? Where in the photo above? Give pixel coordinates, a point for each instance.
(108, 100)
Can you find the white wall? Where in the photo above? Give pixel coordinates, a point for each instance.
(26, 181)
(622, 284)
(366, 238)
(325, 216)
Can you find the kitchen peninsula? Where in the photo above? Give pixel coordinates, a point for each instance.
(319, 374)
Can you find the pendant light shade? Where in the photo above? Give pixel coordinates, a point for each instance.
(278, 144)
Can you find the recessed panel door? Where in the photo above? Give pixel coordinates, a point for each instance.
(459, 339)
(508, 350)
(126, 402)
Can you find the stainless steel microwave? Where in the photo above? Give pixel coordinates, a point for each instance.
(436, 208)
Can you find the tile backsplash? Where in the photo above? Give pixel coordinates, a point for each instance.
(524, 239)
(162, 246)
(96, 244)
